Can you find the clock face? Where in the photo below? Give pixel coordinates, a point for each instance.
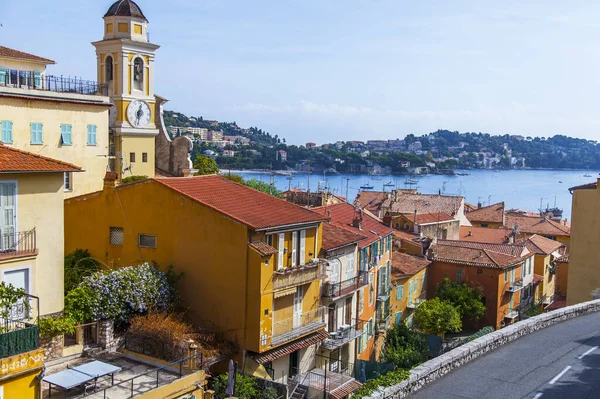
(138, 113)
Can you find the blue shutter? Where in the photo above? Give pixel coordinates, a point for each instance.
(399, 292)
(410, 290)
(3, 75)
(65, 134)
(398, 317)
(36, 133)
(91, 136)
(7, 132)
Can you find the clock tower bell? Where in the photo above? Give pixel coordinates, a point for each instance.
(125, 60)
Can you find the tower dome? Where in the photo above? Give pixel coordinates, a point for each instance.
(125, 8)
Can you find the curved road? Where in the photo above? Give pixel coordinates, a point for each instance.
(562, 361)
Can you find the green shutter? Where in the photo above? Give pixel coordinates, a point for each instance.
(398, 317)
(399, 290)
(66, 134)
(37, 78)
(91, 139)
(3, 76)
(7, 132)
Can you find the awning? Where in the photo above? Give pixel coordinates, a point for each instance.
(284, 350)
(285, 292)
(345, 390)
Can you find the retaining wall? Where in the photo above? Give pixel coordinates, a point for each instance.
(441, 365)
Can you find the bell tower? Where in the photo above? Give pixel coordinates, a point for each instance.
(125, 60)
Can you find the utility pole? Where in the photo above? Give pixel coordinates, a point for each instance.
(347, 182)
(309, 177)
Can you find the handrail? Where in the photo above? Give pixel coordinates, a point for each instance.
(333, 290)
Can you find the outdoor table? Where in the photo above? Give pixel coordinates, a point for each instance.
(80, 375)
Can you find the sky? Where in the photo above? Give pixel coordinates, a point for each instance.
(327, 70)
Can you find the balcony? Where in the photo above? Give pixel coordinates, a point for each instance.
(512, 315)
(343, 335)
(18, 244)
(547, 300)
(297, 326)
(336, 290)
(298, 275)
(58, 84)
(416, 302)
(18, 327)
(515, 286)
(383, 323)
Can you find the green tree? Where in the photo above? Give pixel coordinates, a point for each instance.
(467, 300)
(235, 178)
(245, 386)
(205, 166)
(404, 347)
(435, 316)
(264, 187)
(78, 264)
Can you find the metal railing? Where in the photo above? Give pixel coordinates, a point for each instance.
(339, 366)
(334, 290)
(308, 321)
(515, 286)
(343, 335)
(416, 302)
(59, 84)
(297, 275)
(17, 244)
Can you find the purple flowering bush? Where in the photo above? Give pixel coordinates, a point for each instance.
(119, 294)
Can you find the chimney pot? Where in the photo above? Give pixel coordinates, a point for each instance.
(110, 179)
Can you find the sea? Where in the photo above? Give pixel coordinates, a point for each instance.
(520, 189)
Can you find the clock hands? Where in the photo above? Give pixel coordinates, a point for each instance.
(139, 114)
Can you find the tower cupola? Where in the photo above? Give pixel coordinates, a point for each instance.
(125, 20)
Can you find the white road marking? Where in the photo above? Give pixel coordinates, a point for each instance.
(538, 395)
(552, 381)
(587, 353)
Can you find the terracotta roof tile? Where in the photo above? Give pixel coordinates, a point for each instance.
(6, 52)
(262, 248)
(492, 214)
(342, 215)
(542, 245)
(537, 225)
(286, 349)
(370, 200)
(404, 265)
(423, 203)
(479, 254)
(253, 208)
(589, 186)
(345, 390)
(337, 237)
(537, 279)
(428, 218)
(13, 160)
(470, 207)
(483, 234)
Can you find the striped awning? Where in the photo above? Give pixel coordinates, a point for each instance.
(345, 390)
(302, 343)
(285, 292)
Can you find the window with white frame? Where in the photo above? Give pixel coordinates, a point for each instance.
(68, 181)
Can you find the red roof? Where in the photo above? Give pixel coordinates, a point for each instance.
(492, 213)
(483, 234)
(370, 200)
(274, 354)
(342, 215)
(403, 202)
(429, 218)
(542, 245)
(6, 52)
(589, 186)
(263, 248)
(253, 208)
(537, 225)
(337, 237)
(13, 160)
(479, 254)
(404, 265)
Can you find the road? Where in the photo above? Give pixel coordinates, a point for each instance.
(562, 361)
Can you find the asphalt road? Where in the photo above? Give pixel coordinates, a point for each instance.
(562, 361)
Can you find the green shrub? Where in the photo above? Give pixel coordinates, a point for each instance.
(78, 264)
(392, 378)
(245, 386)
(404, 347)
(132, 179)
(51, 327)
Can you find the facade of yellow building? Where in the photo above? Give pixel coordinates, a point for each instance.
(583, 274)
(547, 252)
(409, 286)
(250, 260)
(56, 117)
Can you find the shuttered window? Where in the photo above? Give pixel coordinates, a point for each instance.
(7, 132)
(36, 133)
(91, 135)
(66, 134)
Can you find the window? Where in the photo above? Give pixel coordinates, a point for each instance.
(109, 68)
(280, 250)
(410, 290)
(423, 281)
(350, 272)
(505, 275)
(146, 241)
(66, 136)
(371, 291)
(361, 302)
(398, 317)
(132, 157)
(399, 291)
(144, 157)
(7, 132)
(479, 271)
(68, 181)
(459, 275)
(91, 134)
(138, 74)
(270, 240)
(36, 133)
(266, 312)
(117, 235)
(484, 225)
(551, 237)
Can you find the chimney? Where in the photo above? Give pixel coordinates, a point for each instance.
(387, 219)
(358, 218)
(110, 180)
(479, 205)
(470, 233)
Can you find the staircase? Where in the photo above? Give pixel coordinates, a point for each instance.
(300, 392)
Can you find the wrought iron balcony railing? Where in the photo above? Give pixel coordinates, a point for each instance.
(343, 335)
(298, 325)
(515, 286)
(18, 244)
(336, 290)
(297, 275)
(59, 84)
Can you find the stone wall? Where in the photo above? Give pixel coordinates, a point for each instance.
(53, 347)
(106, 335)
(439, 366)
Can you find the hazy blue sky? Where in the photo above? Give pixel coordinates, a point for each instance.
(326, 70)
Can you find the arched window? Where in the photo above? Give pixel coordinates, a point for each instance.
(138, 74)
(108, 65)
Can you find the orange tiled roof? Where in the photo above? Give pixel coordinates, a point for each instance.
(342, 215)
(537, 225)
(13, 160)
(537, 279)
(542, 245)
(337, 237)
(423, 203)
(404, 265)
(493, 214)
(470, 207)
(589, 186)
(293, 346)
(253, 208)
(6, 52)
(370, 200)
(428, 218)
(483, 234)
(263, 248)
(479, 254)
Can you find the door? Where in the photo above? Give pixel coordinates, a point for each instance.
(332, 318)
(298, 306)
(294, 364)
(8, 216)
(280, 250)
(18, 279)
(302, 247)
(348, 310)
(294, 248)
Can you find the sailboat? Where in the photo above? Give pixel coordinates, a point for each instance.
(366, 186)
(556, 211)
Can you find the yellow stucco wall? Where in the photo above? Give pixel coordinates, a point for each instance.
(22, 65)
(490, 225)
(541, 267)
(18, 374)
(40, 206)
(401, 305)
(138, 145)
(93, 159)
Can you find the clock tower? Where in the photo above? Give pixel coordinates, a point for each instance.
(126, 67)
